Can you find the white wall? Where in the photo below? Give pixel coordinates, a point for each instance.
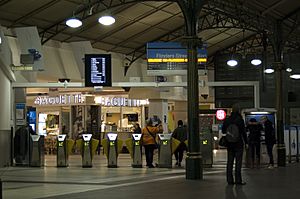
(5, 101)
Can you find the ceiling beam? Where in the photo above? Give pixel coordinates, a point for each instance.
(150, 12)
(34, 12)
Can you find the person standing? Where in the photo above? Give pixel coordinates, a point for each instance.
(235, 149)
(180, 133)
(149, 141)
(254, 129)
(137, 129)
(270, 138)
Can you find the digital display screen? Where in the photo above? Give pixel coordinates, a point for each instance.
(97, 70)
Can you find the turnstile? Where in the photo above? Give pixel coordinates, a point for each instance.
(86, 152)
(112, 156)
(206, 148)
(137, 151)
(165, 150)
(37, 154)
(62, 154)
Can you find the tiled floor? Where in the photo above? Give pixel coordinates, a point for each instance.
(126, 182)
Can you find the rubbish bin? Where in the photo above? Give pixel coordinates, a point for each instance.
(37, 154)
(135, 149)
(165, 150)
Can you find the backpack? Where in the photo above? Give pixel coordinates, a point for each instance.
(232, 133)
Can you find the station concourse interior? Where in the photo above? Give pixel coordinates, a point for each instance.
(72, 96)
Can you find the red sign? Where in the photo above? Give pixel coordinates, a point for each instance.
(221, 114)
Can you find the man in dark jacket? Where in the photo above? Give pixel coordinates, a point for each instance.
(270, 138)
(180, 133)
(254, 129)
(235, 150)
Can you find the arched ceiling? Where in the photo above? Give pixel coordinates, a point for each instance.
(222, 23)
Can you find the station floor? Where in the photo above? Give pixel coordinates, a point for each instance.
(126, 182)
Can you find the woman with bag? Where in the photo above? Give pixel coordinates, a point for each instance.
(149, 141)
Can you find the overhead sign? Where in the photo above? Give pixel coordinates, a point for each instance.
(221, 114)
(170, 58)
(59, 100)
(119, 101)
(97, 70)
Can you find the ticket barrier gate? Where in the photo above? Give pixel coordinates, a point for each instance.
(206, 148)
(135, 149)
(165, 150)
(64, 148)
(37, 151)
(112, 147)
(87, 151)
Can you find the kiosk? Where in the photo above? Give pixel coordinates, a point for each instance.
(165, 150)
(37, 154)
(258, 113)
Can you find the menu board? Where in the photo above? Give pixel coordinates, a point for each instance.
(97, 70)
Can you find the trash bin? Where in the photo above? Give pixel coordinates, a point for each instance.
(37, 154)
(165, 150)
(135, 149)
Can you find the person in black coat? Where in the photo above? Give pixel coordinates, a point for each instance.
(254, 129)
(180, 133)
(270, 138)
(235, 150)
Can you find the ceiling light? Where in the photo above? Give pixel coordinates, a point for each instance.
(289, 70)
(295, 76)
(232, 62)
(74, 22)
(255, 62)
(106, 20)
(269, 70)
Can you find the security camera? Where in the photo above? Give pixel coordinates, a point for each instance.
(63, 80)
(205, 96)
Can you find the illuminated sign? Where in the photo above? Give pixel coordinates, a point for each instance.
(97, 70)
(59, 100)
(170, 58)
(221, 114)
(119, 101)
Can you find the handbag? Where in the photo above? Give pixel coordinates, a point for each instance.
(223, 142)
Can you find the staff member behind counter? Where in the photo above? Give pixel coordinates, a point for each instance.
(149, 140)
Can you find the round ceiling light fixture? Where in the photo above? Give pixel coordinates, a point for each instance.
(232, 62)
(255, 62)
(107, 20)
(288, 70)
(74, 22)
(295, 76)
(269, 70)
